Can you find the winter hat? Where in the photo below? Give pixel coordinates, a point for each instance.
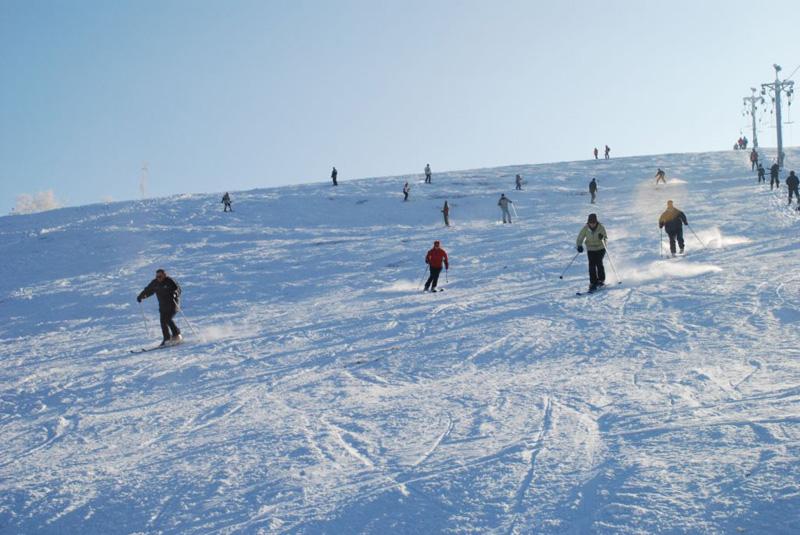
(436, 242)
(669, 203)
(592, 218)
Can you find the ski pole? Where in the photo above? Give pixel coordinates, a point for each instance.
(445, 276)
(144, 318)
(698, 237)
(568, 265)
(513, 209)
(661, 244)
(619, 281)
(189, 323)
(424, 272)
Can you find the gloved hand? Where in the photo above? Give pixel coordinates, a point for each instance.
(138, 298)
(580, 248)
(601, 236)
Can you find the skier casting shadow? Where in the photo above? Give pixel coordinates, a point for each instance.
(435, 258)
(168, 293)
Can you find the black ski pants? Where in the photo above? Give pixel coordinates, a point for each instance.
(433, 279)
(796, 195)
(167, 324)
(597, 272)
(762, 178)
(675, 235)
(773, 179)
(405, 195)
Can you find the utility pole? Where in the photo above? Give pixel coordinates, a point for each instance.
(754, 101)
(143, 181)
(775, 88)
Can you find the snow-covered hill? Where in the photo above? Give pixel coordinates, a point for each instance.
(327, 394)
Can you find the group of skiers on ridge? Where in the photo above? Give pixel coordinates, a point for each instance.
(741, 143)
(606, 155)
(792, 180)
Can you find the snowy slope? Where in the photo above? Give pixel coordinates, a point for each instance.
(328, 395)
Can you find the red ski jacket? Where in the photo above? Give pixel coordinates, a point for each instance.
(435, 257)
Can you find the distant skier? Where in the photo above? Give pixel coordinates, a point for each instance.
(753, 159)
(226, 200)
(446, 214)
(435, 258)
(593, 189)
(503, 204)
(661, 176)
(773, 176)
(744, 142)
(518, 182)
(334, 174)
(761, 174)
(406, 189)
(792, 182)
(168, 293)
(672, 220)
(594, 235)
(595, 153)
(428, 173)
(608, 152)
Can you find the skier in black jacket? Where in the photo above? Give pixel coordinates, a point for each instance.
(168, 293)
(672, 220)
(773, 176)
(761, 174)
(792, 182)
(593, 189)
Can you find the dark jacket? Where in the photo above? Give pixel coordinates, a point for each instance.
(592, 186)
(672, 220)
(167, 291)
(792, 181)
(773, 171)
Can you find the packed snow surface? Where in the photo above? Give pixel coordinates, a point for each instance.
(325, 393)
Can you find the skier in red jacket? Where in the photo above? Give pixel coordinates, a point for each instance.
(435, 258)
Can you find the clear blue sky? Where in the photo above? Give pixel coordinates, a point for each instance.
(230, 95)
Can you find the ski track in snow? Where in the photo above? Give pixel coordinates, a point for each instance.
(328, 394)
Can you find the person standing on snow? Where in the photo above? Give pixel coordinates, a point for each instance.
(334, 174)
(226, 200)
(792, 182)
(428, 173)
(773, 176)
(518, 182)
(168, 293)
(608, 152)
(753, 159)
(593, 234)
(446, 214)
(661, 175)
(761, 174)
(503, 204)
(595, 153)
(406, 189)
(593, 189)
(435, 258)
(672, 220)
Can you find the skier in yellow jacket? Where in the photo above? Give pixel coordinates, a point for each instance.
(593, 234)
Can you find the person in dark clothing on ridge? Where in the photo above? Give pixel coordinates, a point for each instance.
(334, 174)
(435, 258)
(595, 153)
(792, 182)
(594, 235)
(518, 182)
(773, 176)
(226, 201)
(672, 220)
(406, 189)
(761, 174)
(661, 175)
(427, 173)
(608, 152)
(168, 293)
(593, 189)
